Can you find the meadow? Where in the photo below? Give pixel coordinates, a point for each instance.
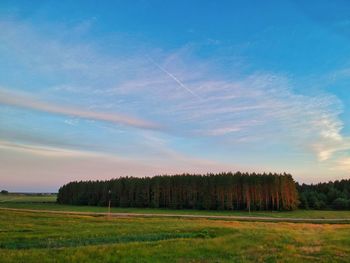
(48, 203)
(44, 237)
(27, 198)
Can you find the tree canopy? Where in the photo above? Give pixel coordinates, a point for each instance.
(331, 195)
(224, 191)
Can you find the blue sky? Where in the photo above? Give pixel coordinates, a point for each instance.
(95, 91)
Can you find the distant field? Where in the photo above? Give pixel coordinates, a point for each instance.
(48, 203)
(26, 198)
(33, 237)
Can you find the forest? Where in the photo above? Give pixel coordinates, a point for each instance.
(330, 195)
(224, 191)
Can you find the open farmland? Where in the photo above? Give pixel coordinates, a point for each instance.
(48, 203)
(41, 236)
(27, 198)
(32, 237)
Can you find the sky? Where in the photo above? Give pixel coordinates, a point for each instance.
(93, 90)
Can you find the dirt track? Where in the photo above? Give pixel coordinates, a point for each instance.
(234, 218)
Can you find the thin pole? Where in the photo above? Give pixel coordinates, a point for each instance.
(109, 203)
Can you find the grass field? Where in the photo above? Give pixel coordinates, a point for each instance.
(27, 198)
(44, 237)
(48, 203)
(29, 237)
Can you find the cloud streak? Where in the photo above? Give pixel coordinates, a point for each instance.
(21, 100)
(46, 151)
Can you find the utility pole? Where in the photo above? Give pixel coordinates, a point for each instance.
(109, 202)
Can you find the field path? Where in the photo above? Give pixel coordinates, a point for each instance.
(234, 218)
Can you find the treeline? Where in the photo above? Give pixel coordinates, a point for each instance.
(331, 195)
(224, 191)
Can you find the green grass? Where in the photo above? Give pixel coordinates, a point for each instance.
(48, 203)
(44, 237)
(27, 198)
(33, 237)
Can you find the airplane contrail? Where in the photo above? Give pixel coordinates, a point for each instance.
(173, 77)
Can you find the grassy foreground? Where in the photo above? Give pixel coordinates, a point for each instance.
(45, 237)
(32, 237)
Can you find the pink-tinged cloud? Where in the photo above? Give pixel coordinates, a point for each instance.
(21, 100)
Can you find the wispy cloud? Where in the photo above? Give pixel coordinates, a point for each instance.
(326, 148)
(18, 99)
(258, 109)
(44, 150)
(343, 164)
(261, 105)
